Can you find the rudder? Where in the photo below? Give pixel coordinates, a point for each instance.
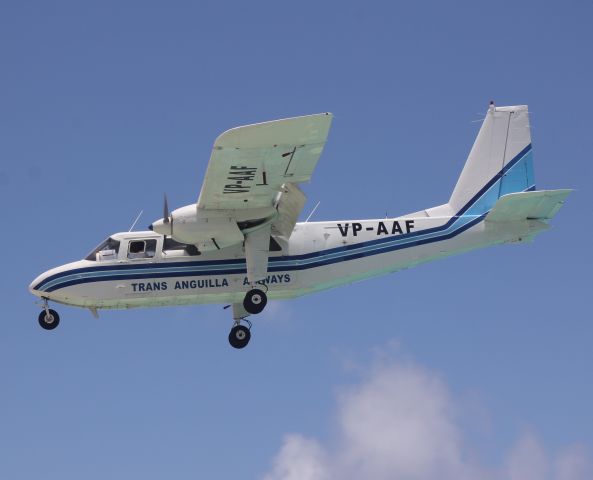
(500, 161)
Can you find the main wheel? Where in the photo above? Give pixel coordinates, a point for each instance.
(49, 320)
(255, 301)
(239, 336)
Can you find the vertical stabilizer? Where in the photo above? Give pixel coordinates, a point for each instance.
(500, 161)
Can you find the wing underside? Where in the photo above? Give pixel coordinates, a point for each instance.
(249, 165)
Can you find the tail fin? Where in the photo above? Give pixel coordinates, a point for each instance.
(500, 162)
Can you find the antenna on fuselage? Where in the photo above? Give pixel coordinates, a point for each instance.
(136, 221)
(313, 211)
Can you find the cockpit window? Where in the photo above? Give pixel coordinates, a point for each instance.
(107, 250)
(141, 249)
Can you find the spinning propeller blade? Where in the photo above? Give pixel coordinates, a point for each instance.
(166, 210)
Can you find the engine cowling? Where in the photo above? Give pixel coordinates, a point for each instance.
(211, 229)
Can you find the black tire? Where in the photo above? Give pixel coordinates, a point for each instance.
(49, 322)
(239, 336)
(255, 301)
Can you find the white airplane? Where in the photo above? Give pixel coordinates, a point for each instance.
(241, 244)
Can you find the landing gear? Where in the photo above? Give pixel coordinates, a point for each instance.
(49, 319)
(239, 336)
(255, 301)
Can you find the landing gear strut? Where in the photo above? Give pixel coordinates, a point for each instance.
(240, 335)
(48, 318)
(255, 301)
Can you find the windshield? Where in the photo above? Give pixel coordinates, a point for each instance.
(109, 245)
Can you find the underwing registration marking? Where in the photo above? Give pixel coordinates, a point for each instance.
(237, 177)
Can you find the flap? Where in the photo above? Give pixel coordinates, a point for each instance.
(290, 204)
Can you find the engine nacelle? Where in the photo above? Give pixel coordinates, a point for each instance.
(211, 229)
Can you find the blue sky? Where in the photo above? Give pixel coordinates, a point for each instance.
(485, 358)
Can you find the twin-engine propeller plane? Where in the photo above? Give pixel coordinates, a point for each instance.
(241, 244)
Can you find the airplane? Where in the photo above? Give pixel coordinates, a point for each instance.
(240, 244)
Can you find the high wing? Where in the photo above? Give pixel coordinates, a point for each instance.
(252, 176)
(250, 164)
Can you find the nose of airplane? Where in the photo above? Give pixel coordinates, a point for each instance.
(50, 283)
(34, 285)
(39, 286)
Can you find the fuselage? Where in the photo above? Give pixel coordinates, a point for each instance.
(249, 199)
(317, 256)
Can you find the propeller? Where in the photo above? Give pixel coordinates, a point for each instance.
(166, 215)
(167, 220)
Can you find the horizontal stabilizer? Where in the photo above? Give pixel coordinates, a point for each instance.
(537, 205)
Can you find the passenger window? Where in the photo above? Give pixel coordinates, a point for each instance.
(141, 249)
(170, 245)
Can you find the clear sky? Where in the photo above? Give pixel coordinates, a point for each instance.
(477, 366)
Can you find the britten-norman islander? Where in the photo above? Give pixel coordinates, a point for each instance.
(240, 243)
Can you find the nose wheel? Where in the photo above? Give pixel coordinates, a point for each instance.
(239, 336)
(49, 319)
(255, 301)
